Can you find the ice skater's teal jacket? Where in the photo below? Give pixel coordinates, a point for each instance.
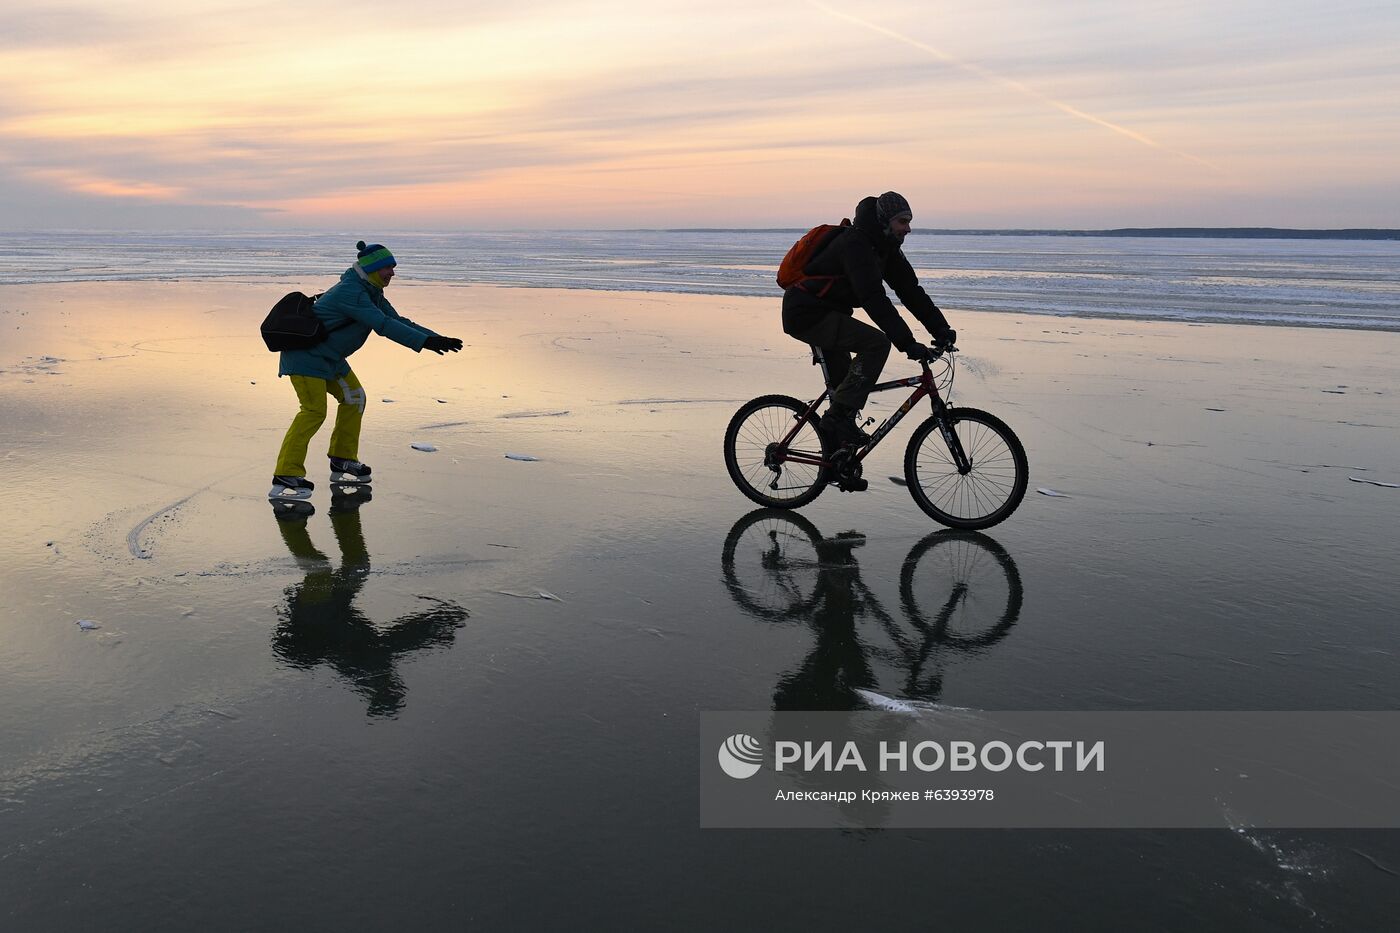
(350, 309)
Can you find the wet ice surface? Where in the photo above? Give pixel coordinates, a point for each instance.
(427, 704)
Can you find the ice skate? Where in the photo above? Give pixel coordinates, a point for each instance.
(349, 472)
(290, 488)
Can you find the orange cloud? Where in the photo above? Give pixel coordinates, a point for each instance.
(80, 183)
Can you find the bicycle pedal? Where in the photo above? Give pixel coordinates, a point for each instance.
(853, 485)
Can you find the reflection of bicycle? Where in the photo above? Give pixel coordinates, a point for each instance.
(965, 467)
(959, 593)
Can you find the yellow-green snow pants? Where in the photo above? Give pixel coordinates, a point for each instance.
(345, 436)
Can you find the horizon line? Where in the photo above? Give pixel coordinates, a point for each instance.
(1181, 230)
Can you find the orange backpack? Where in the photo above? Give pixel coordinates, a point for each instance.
(792, 270)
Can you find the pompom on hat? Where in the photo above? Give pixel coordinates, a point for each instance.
(374, 257)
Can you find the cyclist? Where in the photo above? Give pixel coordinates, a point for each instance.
(851, 270)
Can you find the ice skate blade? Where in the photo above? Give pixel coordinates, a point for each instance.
(350, 479)
(283, 494)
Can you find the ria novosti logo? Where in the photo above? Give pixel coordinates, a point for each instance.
(741, 756)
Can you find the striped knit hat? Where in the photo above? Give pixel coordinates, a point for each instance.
(374, 257)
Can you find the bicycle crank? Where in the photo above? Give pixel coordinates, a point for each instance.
(848, 471)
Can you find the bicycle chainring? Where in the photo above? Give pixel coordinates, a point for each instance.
(846, 468)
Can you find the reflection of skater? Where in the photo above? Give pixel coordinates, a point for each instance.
(350, 310)
(960, 593)
(322, 625)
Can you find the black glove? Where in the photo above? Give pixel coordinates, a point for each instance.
(442, 345)
(919, 353)
(945, 338)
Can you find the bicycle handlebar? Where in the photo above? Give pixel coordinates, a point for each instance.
(937, 353)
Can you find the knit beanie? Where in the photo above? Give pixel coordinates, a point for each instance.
(374, 257)
(889, 206)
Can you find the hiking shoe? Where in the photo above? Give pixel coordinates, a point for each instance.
(349, 472)
(290, 488)
(842, 429)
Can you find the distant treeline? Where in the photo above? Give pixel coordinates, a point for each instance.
(1239, 233)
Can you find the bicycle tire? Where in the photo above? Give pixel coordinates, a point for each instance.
(760, 423)
(772, 564)
(949, 561)
(983, 497)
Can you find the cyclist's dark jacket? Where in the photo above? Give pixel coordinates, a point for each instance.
(864, 258)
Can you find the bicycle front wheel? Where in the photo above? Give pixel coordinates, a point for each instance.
(759, 462)
(960, 589)
(983, 496)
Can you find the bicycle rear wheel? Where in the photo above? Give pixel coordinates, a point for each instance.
(772, 564)
(987, 493)
(758, 466)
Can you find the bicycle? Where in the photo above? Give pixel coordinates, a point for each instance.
(965, 467)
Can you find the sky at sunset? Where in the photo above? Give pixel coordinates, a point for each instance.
(451, 114)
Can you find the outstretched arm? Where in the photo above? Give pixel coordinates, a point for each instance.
(383, 321)
(863, 268)
(431, 340)
(905, 283)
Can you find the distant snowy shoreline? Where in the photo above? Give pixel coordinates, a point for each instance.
(1283, 280)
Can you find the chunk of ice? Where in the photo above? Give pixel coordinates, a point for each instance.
(525, 457)
(890, 704)
(538, 594)
(1047, 491)
(426, 448)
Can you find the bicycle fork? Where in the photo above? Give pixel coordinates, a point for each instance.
(950, 437)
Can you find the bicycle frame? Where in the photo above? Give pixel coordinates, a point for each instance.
(923, 386)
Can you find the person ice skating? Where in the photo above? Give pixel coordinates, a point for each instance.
(849, 270)
(350, 310)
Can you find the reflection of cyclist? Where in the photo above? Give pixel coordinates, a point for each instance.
(851, 270)
(837, 665)
(322, 625)
(960, 593)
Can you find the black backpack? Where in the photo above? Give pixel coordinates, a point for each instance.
(292, 324)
